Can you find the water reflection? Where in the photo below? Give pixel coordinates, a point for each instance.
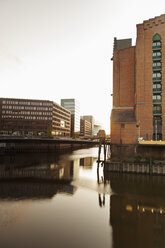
(53, 201)
(101, 200)
(72, 203)
(137, 210)
(42, 175)
(32, 190)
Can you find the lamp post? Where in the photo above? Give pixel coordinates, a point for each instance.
(138, 126)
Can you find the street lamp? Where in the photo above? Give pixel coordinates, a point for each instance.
(138, 126)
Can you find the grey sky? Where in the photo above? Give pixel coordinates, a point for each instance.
(62, 48)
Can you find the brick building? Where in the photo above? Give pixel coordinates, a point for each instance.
(27, 116)
(139, 85)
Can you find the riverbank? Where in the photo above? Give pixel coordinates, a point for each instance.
(156, 168)
(145, 158)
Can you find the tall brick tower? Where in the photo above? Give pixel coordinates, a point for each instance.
(139, 85)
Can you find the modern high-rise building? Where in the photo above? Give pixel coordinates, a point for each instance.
(73, 106)
(138, 85)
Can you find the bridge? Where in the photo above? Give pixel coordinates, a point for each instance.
(11, 144)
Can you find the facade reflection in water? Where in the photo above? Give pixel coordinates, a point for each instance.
(55, 210)
(39, 175)
(137, 210)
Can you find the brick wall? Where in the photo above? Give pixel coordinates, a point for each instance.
(123, 94)
(144, 108)
(124, 133)
(124, 77)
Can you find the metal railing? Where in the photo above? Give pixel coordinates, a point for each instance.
(157, 79)
(156, 68)
(156, 58)
(157, 112)
(157, 101)
(157, 90)
(156, 47)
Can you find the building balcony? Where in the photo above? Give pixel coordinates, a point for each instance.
(157, 112)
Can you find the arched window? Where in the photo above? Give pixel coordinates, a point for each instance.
(156, 37)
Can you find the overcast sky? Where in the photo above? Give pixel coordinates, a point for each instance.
(53, 49)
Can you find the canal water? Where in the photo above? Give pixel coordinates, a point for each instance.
(63, 201)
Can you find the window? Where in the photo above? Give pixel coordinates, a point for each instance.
(156, 86)
(156, 64)
(157, 107)
(156, 37)
(122, 126)
(156, 97)
(156, 54)
(156, 75)
(156, 44)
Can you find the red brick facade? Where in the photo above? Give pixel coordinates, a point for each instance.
(133, 84)
(124, 77)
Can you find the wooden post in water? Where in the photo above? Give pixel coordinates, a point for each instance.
(99, 153)
(104, 152)
(150, 168)
(102, 143)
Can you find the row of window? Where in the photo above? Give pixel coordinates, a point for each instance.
(156, 54)
(157, 107)
(60, 128)
(156, 64)
(59, 116)
(26, 107)
(60, 108)
(27, 103)
(157, 75)
(157, 86)
(25, 117)
(61, 113)
(156, 97)
(155, 44)
(56, 121)
(59, 125)
(25, 112)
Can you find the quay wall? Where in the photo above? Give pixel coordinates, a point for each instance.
(138, 168)
(137, 152)
(143, 159)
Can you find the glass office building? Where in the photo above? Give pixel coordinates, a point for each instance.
(73, 106)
